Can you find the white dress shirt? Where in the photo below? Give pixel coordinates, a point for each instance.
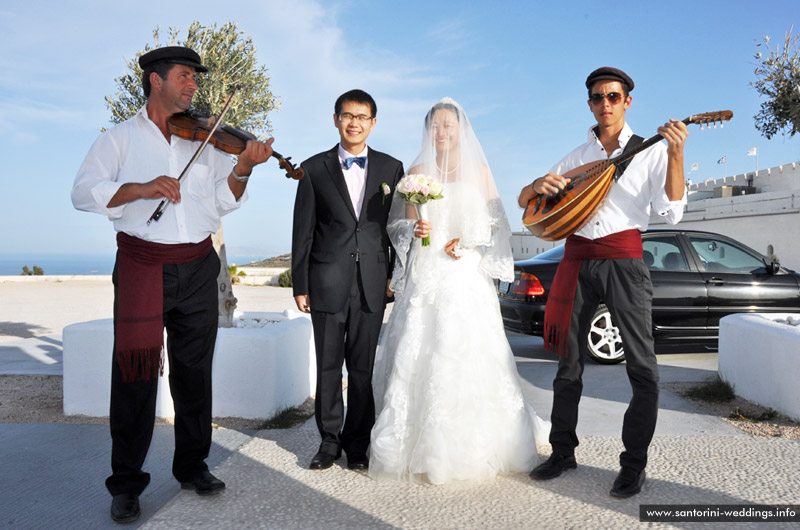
(628, 203)
(136, 151)
(355, 178)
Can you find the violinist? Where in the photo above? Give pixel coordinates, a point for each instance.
(165, 274)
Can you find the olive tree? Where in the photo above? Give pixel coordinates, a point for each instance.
(778, 80)
(230, 58)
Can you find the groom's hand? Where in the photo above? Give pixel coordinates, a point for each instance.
(302, 303)
(389, 292)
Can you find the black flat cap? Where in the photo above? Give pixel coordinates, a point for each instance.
(173, 54)
(607, 72)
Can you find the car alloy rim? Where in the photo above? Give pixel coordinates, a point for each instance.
(604, 338)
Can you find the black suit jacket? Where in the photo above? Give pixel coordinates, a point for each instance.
(327, 236)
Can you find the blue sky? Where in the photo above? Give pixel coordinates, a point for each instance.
(517, 68)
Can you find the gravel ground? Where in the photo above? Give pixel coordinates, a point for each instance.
(777, 427)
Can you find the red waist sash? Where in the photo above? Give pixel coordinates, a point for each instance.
(558, 311)
(139, 323)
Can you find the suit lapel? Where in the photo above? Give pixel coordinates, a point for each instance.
(374, 172)
(337, 177)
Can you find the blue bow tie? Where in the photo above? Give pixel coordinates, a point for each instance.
(360, 160)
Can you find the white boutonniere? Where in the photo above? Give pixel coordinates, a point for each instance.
(386, 190)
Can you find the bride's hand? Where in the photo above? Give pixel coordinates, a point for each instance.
(422, 228)
(452, 249)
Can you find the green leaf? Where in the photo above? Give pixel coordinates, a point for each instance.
(778, 80)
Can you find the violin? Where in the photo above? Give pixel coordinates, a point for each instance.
(194, 126)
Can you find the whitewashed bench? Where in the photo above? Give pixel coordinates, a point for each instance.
(761, 359)
(257, 370)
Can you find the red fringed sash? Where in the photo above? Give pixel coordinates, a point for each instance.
(139, 325)
(558, 311)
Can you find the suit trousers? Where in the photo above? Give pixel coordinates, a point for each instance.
(624, 286)
(191, 320)
(350, 338)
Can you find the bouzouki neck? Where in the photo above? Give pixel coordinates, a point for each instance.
(705, 118)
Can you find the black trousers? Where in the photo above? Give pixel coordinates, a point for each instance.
(349, 337)
(191, 320)
(624, 286)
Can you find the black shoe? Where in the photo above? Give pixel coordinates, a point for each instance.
(125, 508)
(324, 460)
(204, 484)
(628, 483)
(555, 465)
(357, 462)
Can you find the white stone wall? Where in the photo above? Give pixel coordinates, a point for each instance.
(784, 177)
(259, 275)
(524, 245)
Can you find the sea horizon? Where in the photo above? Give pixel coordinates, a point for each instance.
(79, 264)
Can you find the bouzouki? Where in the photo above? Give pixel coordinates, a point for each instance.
(560, 215)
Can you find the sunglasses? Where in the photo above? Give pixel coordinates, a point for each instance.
(613, 98)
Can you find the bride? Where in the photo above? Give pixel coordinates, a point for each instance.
(447, 393)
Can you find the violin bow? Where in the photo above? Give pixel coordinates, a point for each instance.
(164, 202)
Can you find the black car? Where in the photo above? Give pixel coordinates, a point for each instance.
(698, 278)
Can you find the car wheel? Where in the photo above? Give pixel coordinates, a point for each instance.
(605, 342)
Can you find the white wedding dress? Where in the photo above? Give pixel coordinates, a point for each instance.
(448, 398)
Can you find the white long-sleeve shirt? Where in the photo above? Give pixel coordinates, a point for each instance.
(628, 203)
(136, 151)
(355, 178)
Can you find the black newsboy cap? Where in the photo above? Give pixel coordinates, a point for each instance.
(172, 54)
(607, 72)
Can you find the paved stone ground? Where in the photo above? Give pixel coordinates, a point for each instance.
(270, 487)
(54, 474)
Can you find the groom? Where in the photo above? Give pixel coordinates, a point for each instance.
(341, 261)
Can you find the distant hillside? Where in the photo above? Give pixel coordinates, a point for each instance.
(284, 260)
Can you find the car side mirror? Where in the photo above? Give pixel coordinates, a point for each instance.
(773, 267)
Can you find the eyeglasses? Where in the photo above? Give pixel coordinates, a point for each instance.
(346, 116)
(613, 98)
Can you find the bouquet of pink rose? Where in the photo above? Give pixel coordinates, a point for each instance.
(418, 189)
